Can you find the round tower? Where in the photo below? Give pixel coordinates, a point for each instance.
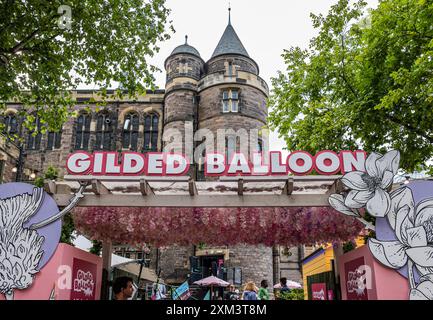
(233, 98)
(184, 69)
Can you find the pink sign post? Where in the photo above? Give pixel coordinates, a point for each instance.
(364, 278)
(71, 274)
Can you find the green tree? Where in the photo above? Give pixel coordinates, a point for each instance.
(44, 54)
(96, 247)
(68, 227)
(366, 81)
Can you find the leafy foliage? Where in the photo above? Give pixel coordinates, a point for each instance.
(96, 247)
(293, 294)
(366, 81)
(42, 58)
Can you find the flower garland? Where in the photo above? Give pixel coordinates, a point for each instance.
(215, 226)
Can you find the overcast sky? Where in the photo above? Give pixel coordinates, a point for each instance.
(265, 28)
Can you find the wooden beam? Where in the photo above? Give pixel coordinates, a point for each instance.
(192, 187)
(206, 201)
(50, 187)
(99, 188)
(145, 188)
(288, 187)
(281, 178)
(240, 187)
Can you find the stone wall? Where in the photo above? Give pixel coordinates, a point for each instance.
(39, 160)
(9, 154)
(255, 261)
(184, 65)
(240, 63)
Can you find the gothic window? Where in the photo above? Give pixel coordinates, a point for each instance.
(104, 131)
(230, 100)
(54, 140)
(82, 132)
(151, 132)
(10, 124)
(130, 131)
(34, 136)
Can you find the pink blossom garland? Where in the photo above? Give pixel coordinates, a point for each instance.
(216, 226)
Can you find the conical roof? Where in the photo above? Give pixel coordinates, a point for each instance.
(230, 43)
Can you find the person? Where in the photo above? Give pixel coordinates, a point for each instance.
(122, 288)
(284, 289)
(250, 292)
(159, 291)
(231, 294)
(263, 291)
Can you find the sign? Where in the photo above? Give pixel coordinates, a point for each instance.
(171, 164)
(182, 292)
(356, 279)
(84, 280)
(318, 291)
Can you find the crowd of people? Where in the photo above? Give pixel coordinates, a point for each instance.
(123, 290)
(252, 292)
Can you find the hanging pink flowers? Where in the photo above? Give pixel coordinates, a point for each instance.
(216, 226)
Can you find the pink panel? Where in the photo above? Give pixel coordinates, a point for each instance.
(71, 272)
(364, 278)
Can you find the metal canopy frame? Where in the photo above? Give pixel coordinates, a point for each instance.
(136, 191)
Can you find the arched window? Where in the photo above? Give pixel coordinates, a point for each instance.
(104, 131)
(130, 131)
(10, 122)
(151, 121)
(54, 140)
(82, 131)
(34, 140)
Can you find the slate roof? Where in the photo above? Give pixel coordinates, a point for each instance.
(230, 43)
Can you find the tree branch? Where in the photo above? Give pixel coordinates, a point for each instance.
(20, 45)
(409, 127)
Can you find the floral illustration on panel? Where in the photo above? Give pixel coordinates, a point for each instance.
(412, 224)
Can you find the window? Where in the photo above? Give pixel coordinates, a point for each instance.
(82, 132)
(130, 131)
(104, 131)
(10, 124)
(151, 122)
(230, 69)
(54, 140)
(230, 100)
(259, 147)
(34, 136)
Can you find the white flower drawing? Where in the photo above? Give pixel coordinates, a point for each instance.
(424, 290)
(413, 227)
(20, 248)
(368, 189)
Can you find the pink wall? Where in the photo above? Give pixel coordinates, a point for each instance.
(58, 274)
(386, 283)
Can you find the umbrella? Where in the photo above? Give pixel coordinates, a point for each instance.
(211, 282)
(290, 284)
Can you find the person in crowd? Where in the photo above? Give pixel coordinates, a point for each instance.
(231, 294)
(122, 288)
(263, 291)
(159, 291)
(283, 288)
(250, 291)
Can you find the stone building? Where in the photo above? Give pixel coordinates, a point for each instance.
(224, 92)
